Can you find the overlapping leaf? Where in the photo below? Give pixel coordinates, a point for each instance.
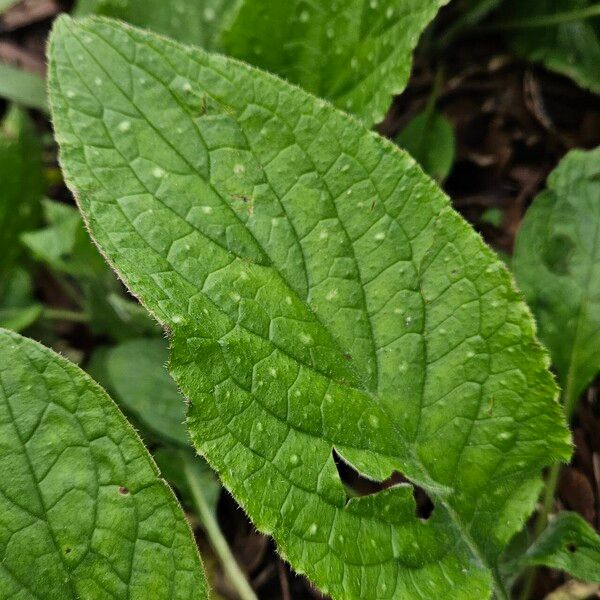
(557, 265)
(356, 53)
(320, 293)
(83, 513)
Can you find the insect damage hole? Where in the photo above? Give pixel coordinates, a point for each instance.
(357, 485)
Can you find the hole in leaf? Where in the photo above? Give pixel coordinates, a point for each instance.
(68, 550)
(357, 485)
(571, 547)
(123, 490)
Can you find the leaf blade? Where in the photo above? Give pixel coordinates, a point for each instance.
(557, 253)
(357, 55)
(72, 452)
(277, 371)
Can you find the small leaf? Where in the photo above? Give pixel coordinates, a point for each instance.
(190, 21)
(320, 294)
(557, 264)
(21, 185)
(429, 138)
(84, 513)
(571, 48)
(18, 309)
(570, 544)
(137, 377)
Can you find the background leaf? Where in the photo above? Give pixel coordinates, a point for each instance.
(557, 265)
(429, 138)
(21, 185)
(570, 544)
(137, 376)
(571, 48)
(355, 53)
(320, 294)
(23, 87)
(84, 513)
(191, 21)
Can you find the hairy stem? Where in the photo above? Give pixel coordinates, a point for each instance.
(216, 538)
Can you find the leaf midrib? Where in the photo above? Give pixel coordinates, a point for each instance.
(458, 523)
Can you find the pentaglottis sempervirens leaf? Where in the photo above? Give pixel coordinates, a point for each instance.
(570, 544)
(83, 512)
(355, 53)
(192, 21)
(557, 264)
(320, 294)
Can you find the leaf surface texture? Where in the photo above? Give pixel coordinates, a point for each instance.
(557, 265)
(83, 513)
(320, 293)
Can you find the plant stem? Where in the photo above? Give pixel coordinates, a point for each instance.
(568, 400)
(468, 19)
(217, 540)
(60, 314)
(548, 20)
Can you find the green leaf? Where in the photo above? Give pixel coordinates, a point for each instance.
(84, 513)
(429, 138)
(64, 244)
(571, 47)
(190, 21)
(557, 265)
(21, 185)
(320, 293)
(173, 463)
(357, 54)
(137, 377)
(18, 309)
(570, 544)
(23, 88)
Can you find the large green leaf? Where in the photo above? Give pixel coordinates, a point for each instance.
(557, 265)
(191, 21)
(570, 47)
(356, 53)
(21, 185)
(570, 544)
(83, 513)
(320, 293)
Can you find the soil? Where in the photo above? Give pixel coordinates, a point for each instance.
(513, 123)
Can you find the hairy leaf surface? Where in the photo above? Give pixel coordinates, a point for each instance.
(356, 53)
(83, 513)
(320, 293)
(557, 265)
